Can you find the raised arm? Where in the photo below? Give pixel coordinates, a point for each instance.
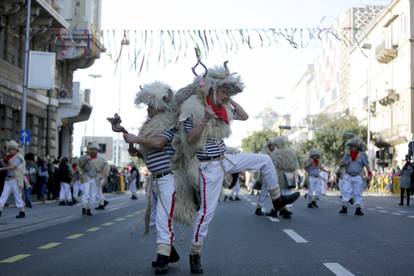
(155, 142)
(239, 112)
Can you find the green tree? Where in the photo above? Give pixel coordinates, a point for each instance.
(330, 134)
(256, 141)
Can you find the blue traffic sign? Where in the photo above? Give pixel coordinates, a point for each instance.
(24, 137)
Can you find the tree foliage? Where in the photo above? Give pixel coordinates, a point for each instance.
(330, 134)
(256, 141)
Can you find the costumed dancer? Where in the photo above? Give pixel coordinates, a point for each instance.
(205, 118)
(76, 180)
(154, 140)
(94, 171)
(313, 169)
(354, 161)
(15, 166)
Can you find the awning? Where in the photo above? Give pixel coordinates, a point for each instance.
(47, 9)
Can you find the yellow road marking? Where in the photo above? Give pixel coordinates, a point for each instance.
(108, 223)
(120, 219)
(75, 236)
(93, 229)
(49, 245)
(15, 258)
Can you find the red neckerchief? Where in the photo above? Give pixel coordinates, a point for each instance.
(8, 157)
(220, 111)
(93, 155)
(315, 162)
(354, 154)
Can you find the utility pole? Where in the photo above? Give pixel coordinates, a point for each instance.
(94, 76)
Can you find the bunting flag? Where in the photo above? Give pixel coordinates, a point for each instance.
(169, 46)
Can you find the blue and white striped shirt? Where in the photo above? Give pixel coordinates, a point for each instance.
(158, 161)
(212, 148)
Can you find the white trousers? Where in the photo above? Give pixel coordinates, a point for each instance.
(77, 187)
(153, 214)
(352, 187)
(236, 189)
(164, 188)
(211, 181)
(315, 188)
(90, 189)
(133, 187)
(65, 193)
(11, 186)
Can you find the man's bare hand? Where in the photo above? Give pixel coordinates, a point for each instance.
(130, 138)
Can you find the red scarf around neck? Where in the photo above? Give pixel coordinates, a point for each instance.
(220, 111)
(354, 154)
(315, 162)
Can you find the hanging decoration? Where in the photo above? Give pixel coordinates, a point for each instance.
(169, 46)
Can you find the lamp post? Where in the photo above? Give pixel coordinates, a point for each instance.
(368, 47)
(94, 76)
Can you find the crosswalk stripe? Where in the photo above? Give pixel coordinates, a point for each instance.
(93, 229)
(75, 236)
(49, 245)
(15, 258)
(273, 219)
(295, 236)
(338, 269)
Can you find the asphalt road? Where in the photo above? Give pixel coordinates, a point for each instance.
(57, 240)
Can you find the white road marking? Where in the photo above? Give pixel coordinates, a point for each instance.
(253, 204)
(338, 269)
(273, 219)
(15, 258)
(371, 209)
(411, 217)
(404, 212)
(397, 214)
(383, 211)
(295, 236)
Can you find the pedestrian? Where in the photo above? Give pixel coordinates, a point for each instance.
(65, 179)
(154, 139)
(15, 166)
(406, 176)
(42, 179)
(205, 117)
(234, 188)
(133, 180)
(313, 169)
(94, 170)
(354, 161)
(31, 175)
(76, 181)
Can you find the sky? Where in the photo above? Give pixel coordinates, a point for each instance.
(268, 73)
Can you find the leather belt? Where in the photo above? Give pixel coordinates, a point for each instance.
(212, 158)
(159, 175)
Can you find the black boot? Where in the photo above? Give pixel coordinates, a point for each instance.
(258, 212)
(100, 207)
(174, 257)
(358, 212)
(21, 214)
(106, 202)
(29, 204)
(283, 200)
(272, 213)
(310, 205)
(83, 211)
(161, 264)
(134, 197)
(314, 204)
(344, 210)
(285, 213)
(237, 198)
(88, 212)
(0, 213)
(195, 264)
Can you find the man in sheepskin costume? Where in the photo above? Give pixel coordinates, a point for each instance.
(154, 139)
(205, 119)
(286, 164)
(94, 170)
(15, 166)
(313, 168)
(354, 161)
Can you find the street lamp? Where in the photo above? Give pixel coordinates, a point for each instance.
(94, 76)
(368, 46)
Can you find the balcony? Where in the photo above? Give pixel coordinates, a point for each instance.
(385, 54)
(391, 97)
(74, 107)
(396, 134)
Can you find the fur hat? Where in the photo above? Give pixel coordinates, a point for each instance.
(221, 76)
(314, 153)
(12, 145)
(356, 141)
(280, 142)
(156, 94)
(93, 146)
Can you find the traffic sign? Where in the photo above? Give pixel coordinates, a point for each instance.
(24, 137)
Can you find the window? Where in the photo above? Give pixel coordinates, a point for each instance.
(102, 148)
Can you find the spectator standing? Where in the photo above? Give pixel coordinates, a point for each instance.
(31, 175)
(406, 180)
(65, 179)
(42, 179)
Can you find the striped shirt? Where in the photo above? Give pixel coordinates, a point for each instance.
(212, 147)
(158, 161)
